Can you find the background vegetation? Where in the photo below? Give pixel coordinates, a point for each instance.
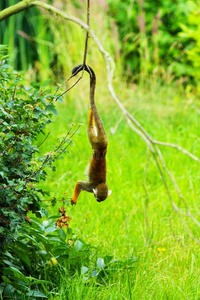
(109, 252)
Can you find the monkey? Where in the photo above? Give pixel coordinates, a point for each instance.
(97, 167)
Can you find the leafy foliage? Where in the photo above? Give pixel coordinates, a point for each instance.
(24, 113)
(31, 36)
(191, 31)
(106, 268)
(148, 32)
(19, 33)
(32, 265)
(43, 258)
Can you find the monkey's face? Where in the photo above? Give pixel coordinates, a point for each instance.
(101, 192)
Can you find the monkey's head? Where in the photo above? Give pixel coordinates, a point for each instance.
(101, 192)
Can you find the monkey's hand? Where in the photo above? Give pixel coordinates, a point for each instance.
(73, 202)
(76, 193)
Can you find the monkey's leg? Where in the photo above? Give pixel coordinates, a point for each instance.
(80, 186)
(92, 131)
(96, 133)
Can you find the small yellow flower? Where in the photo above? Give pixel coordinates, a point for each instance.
(162, 249)
(52, 261)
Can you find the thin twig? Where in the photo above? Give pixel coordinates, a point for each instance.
(44, 140)
(73, 133)
(114, 129)
(69, 87)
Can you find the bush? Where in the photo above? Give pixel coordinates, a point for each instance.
(24, 113)
(148, 32)
(45, 261)
(191, 31)
(19, 32)
(37, 262)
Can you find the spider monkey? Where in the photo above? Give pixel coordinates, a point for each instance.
(97, 168)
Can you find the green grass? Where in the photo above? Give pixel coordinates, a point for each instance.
(167, 265)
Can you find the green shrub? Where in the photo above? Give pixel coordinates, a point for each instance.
(24, 113)
(24, 33)
(148, 31)
(37, 262)
(45, 261)
(191, 31)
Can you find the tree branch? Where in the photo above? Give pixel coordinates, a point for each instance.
(14, 9)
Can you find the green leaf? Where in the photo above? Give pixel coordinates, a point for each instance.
(50, 229)
(35, 85)
(61, 234)
(37, 281)
(6, 279)
(54, 239)
(84, 270)
(100, 263)
(12, 270)
(94, 273)
(78, 245)
(8, 262)
(60, 99)
(107, 259)
(22, 256)
(6, 66)
(36, 294)
(52, 109)
(2, 174)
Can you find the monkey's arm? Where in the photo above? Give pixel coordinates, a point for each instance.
(80, 186)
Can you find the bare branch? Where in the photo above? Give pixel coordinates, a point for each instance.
(179, 148)
(188, 214)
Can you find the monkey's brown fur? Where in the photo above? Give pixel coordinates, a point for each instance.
(97, 168)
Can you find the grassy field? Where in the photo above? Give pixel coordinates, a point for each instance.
(167, 258)
(157, 259)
